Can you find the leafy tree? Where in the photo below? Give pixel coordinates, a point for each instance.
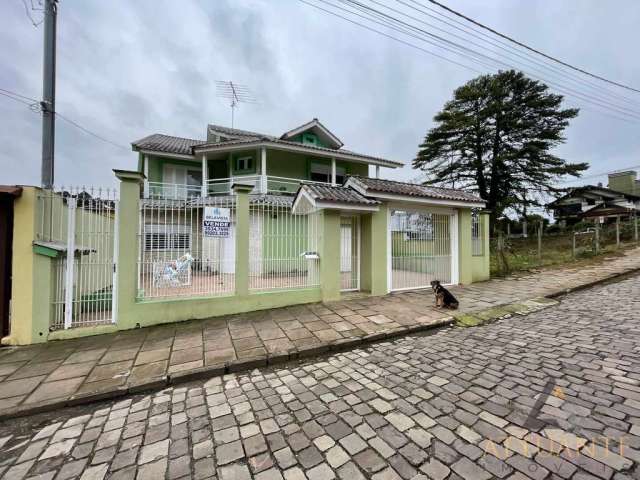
(495, 137)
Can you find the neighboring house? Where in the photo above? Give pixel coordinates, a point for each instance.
(589, 202)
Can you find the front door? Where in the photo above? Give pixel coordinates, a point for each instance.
(349, 253)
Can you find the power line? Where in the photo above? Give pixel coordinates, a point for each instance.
(28, 12)
(452, 47)
(32, 103)
(390, 21)
(89, 132)
(505, 46)
(549, 57)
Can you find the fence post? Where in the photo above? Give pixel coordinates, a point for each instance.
(242, 238)
(573, 245)
(597, 243)
(618, 231)
(71, 253)
(126, 260)
(540, 227)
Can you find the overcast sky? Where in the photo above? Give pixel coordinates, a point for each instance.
(127, 69)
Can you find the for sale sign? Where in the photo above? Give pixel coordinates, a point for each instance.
(216, 222)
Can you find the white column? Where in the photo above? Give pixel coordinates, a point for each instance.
(205, 177)
(263, 169)
(377, 171)
(333, 171)
(145, 168)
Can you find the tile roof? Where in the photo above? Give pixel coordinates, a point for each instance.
(167, 144)
(376, 185)
(336, 194)
(236, 132)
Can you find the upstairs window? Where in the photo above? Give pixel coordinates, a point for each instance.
(322, 173)
(243, 164)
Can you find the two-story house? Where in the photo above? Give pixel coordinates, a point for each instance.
(588, 202)
(182, 167)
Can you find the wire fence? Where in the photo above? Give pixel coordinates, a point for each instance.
(544, 246)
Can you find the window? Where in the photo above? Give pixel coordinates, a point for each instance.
(477, 240)
(322, 173)
(243, 164)
(309, 139)
(167, 237)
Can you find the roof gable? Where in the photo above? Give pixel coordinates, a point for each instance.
(324, 134)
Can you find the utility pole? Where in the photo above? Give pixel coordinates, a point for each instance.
(48, 103)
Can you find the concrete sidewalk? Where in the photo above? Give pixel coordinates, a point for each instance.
(70, 372)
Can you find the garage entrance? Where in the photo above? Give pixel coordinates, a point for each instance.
(421, 248)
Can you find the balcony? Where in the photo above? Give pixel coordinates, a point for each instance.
(222, 186)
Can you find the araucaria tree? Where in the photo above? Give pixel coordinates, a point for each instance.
(495, 137)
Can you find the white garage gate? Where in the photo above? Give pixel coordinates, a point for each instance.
(422, 248)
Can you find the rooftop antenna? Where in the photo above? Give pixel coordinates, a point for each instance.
(235, 93)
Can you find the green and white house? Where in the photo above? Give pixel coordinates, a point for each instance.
(234, 222)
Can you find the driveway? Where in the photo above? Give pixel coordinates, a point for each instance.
(555, 394)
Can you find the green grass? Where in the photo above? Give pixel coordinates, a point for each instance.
(521, 254)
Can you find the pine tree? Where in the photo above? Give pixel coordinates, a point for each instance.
(495, 137)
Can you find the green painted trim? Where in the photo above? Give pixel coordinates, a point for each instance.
(46, 251)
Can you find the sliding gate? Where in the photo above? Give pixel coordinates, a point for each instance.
(421, 248)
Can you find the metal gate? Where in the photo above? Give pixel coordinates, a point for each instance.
(82, 225)
(349, 253)
(420, 248)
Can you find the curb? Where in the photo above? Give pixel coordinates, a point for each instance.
(244, 364)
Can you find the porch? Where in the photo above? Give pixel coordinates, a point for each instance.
(268, 170)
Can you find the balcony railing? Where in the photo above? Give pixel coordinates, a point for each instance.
(222, 186)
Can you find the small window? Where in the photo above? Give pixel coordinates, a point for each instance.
(477, 240)
(167, 237)
(309, 139)
(244, 164)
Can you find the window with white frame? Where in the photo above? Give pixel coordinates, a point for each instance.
(167, 237)
(322, 173)
(477, 243)
(243, 164)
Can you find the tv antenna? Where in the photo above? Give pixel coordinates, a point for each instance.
(235, 93)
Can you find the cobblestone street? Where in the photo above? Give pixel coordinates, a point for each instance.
(555, 394)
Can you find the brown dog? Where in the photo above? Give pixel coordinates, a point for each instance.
(444, 298)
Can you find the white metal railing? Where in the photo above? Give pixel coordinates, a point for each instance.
(218, 186)
(186, 249)
(420, 249)
(79, 226)
(172, 191)
(283, 247)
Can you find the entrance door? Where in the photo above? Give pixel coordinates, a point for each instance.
(421, 248)
(349, 253)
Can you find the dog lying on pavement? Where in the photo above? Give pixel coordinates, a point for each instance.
(444, 298)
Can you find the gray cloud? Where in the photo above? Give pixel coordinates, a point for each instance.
(128, 69)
